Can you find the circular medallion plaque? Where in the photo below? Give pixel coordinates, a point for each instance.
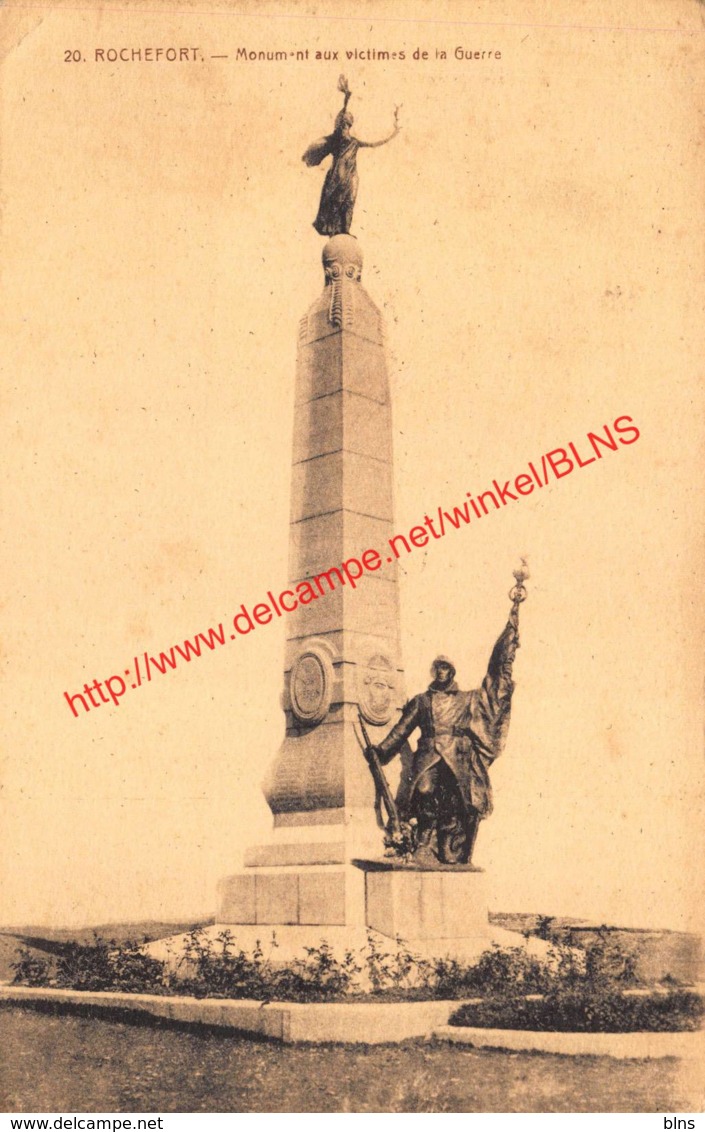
(310, 687)
(376, 690)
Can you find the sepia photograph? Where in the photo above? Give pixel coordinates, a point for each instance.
(353, 624)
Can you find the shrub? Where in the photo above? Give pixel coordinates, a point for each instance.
(498, 971)
(397, 969)
(319, 976)
(449, 977)
(31, 970)
(608, 962)
(84, 966)
(510, 972)
(544, 926)
(105, 965)
(587, 1012)
(134, 971)
(101, 965)
(216, 969)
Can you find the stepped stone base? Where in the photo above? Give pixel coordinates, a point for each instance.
(413, 902)
(312, 884)
(284, 896)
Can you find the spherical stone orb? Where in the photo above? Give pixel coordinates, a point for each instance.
(342, 258)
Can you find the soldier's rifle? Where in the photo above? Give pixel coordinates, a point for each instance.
(382, 792)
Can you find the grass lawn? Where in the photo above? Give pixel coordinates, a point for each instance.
(63, 1063)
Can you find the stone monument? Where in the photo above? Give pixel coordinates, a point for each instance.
(343, 695)
(343, 651)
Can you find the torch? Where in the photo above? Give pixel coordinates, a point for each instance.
(517, 593)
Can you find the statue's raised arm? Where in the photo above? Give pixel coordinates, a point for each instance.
(395, 131)
(339, 193)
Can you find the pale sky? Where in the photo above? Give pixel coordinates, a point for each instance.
(534, 240)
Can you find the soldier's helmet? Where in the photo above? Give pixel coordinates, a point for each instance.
(441, 660)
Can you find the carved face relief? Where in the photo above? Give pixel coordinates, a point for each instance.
(377, 689)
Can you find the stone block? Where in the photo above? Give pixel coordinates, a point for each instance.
(294, 730)
(323, 769)
(321, 541)
(319, 367)
(276, 899)
(364, 369)
(322, 897)
(368, 1022)
(367, 427)
(317, 486)
(318, 427)
(410, 903)
(325, 765)
(327, 483)
(361, 322)
(236, 899)
(372, 608)
(290, 896)
(342, 421)
(367, 486)
(342, 359)
(639, 1045)
(320, 616)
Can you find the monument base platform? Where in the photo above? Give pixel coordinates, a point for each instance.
(401, 900)
(416, 902)
(286, 943)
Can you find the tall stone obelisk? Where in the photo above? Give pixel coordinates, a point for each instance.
(343, 648)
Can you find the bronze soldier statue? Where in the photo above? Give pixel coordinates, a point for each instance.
(447, 792)
(335, 211)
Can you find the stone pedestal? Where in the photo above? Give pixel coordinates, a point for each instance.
(343, 651)
(416, 903)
